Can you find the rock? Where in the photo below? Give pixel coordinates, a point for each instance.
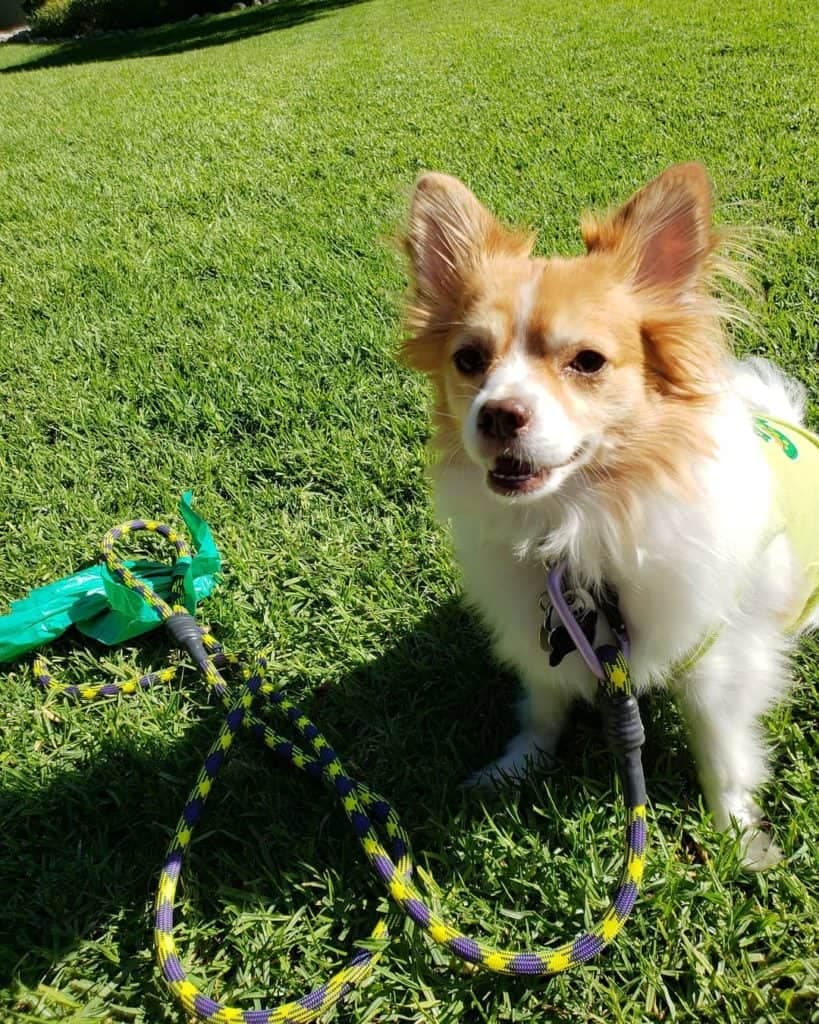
(193, 17)
(238, 7)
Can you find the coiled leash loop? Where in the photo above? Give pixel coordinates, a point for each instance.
(367, 812)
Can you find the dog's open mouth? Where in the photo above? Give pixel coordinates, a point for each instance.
(515, 476)
(510, 475)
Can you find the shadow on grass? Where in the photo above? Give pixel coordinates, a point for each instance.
(81, 853)
(178, 37)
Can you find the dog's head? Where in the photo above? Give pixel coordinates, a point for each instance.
(552, 372)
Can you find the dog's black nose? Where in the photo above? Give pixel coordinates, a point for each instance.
(503, 419)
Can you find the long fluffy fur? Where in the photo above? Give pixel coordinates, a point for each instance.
(672, 507)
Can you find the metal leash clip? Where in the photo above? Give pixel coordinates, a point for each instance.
(555, 639)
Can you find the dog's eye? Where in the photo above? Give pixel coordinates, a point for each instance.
(588, 362)
(470, 360)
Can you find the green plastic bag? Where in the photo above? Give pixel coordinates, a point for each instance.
(102, 608)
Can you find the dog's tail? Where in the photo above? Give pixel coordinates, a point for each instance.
(767, 390)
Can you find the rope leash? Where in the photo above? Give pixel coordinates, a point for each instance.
(367, 812)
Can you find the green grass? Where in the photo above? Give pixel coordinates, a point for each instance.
(197, 290)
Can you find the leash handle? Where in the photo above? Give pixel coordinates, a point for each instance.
(120, 571)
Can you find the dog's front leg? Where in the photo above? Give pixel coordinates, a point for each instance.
(543, 713)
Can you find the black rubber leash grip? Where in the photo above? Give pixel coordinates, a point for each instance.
(187, 635)
(626, 736)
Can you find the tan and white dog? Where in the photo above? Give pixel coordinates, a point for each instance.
(588, 410)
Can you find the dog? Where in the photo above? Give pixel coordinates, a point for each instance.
(588, 411)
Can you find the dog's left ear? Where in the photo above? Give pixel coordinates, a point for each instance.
(662, 234)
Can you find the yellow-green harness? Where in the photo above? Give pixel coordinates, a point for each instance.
(793, 455)
(366, 811)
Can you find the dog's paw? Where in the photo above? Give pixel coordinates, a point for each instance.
(524, 755)
(758, 851)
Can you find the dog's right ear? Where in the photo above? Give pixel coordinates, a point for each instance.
(447, 230)
(450, 235)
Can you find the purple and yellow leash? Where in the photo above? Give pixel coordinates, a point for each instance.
(368, 813)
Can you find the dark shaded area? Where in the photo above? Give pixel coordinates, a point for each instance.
(179, 37)
(11, 14)
(85, 848)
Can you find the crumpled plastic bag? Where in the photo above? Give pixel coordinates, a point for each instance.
(100, 607)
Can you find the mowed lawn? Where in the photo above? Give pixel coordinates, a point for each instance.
(198, 288)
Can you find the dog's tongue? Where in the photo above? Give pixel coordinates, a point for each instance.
(507, 466)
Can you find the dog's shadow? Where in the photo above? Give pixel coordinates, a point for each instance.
(82, 850)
